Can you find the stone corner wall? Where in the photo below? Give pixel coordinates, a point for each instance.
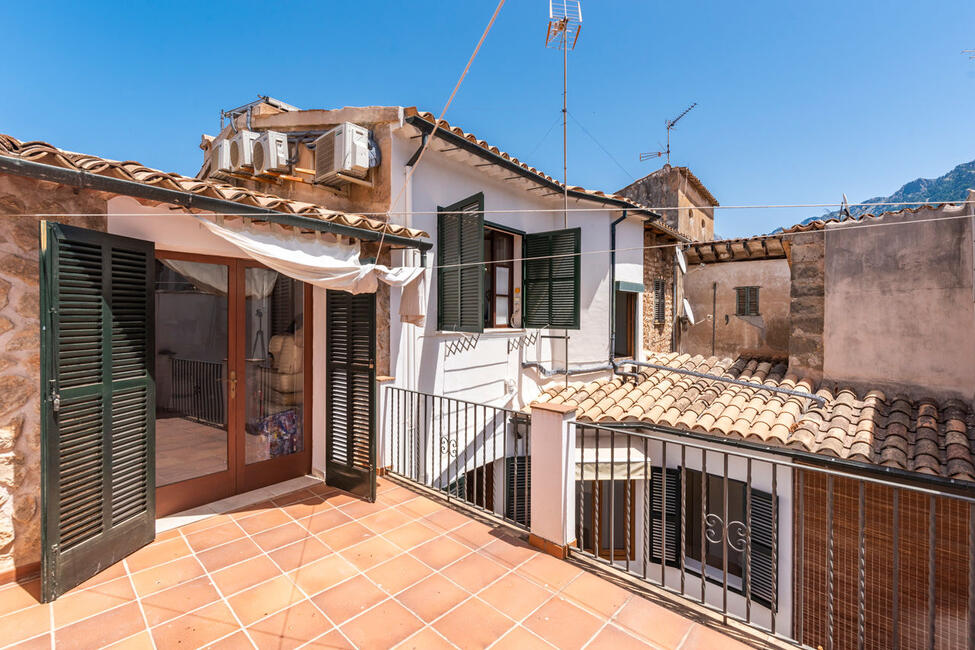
(807, 304)
(20, 427)
(657, 263)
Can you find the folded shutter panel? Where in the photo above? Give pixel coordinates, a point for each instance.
(741, 299)
(460, 261)
(659, 301)
(663, 520)
(753, 301)
(517, 489)
(551, 277)
(98, 408)
(763, 572)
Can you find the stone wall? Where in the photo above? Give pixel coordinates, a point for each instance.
(670, 187)
(807, 305)
(657, 263)
(20, 429)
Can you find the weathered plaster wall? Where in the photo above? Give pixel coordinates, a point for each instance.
(899, 302)
(20, 429)
(764, 335)
(807, 294)
(667, 188)
(657, 263)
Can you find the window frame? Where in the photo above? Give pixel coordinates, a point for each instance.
(493, 235)
(747, 301)
(596, 522)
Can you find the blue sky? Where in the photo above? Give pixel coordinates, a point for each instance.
(797, 102)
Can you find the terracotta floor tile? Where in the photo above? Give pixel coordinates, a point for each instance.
(440, 552)
(613, 638)
(24, 624)
(320, 488)
(215, 536)
(157, 553)
(516, 596)
(371, 552)
(509, 552)
(41, 642)
(595, 594)
(244, 575)
(264, 599)
(446, 519)
(235, 641)
(264, 521)
(215, 559)
(339, 499)
(521, 639)
(101, 630)
(383, 626)
(140, 641)
(432, 597)
(399, 573)
(705, 638)
(548, 571)
(293, 497)
(360, 508)
(327, 572)
(653, 622)
(334, 640)
(474, 624)
(398, 495)
(117, 570)
(426, 639)
(421, 507)
(290, 628)
(167, 605)
(349, 599)
(19, 595)
(203, 524)
(345, 536)
(248, 511)
(327, 519)
(563, 624)
(385, 520)
(282, 535)
(474, 572)
(307, 507)
(167, 575)
(196, 629)
(292, 556)
(474, 534)
(410, 535)
(82, 604)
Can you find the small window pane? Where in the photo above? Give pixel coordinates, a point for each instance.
(501, 275)
(501, 311)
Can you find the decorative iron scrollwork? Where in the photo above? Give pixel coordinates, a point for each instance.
(448, 446)
(736, 533)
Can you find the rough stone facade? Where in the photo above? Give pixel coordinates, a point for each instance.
(658, 263)
(674, 187)
(20, 427)
(807, 304)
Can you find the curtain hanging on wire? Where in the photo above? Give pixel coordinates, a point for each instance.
(323, 263)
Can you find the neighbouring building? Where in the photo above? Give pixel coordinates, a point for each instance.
(677, 187)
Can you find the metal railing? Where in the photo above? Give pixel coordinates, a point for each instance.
(475, 453)
(808, 554)
(197, 390)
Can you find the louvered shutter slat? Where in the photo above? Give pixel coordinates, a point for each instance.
(551, 278)
(763, 571)
(665, 519)
(517, 498)
(460, 258)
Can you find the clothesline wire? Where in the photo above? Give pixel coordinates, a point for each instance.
(427, 141)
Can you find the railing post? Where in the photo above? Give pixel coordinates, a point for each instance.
(385, 425)
(553, 450)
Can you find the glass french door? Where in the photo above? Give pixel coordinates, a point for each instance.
(231, 396)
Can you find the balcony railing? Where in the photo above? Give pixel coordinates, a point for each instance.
(475, 453)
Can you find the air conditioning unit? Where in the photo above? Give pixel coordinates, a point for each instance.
(343, 151)
(271, 152)
(242, 151)
(220, 158)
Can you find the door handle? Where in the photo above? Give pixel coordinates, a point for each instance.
(233, 384)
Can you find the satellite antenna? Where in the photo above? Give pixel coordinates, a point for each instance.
(845, 207)
(681, 260)
(564, 25)
(688, 312)
(670, 126)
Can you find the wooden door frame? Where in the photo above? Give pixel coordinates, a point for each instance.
(236, 479)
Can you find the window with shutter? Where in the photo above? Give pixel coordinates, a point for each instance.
(753, 301)
(551, 276)
(517, 489)
(764, 580)
(664, 514)
(746, 301)
(659, 300)
(460, 258)
(98, 411)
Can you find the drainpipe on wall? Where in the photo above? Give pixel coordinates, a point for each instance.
(714, 313)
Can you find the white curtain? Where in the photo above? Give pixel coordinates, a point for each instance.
(324, 263)
(212, 278)
(615, 458)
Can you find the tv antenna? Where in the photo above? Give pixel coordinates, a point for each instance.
(670, 125)
(564, 25)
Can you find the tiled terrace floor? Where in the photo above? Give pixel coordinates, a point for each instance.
(322, 569)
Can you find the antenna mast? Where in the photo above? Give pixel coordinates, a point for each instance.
(564, 25)
(670, 125)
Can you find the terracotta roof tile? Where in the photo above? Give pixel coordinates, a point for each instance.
(927, 436)
(129, 170)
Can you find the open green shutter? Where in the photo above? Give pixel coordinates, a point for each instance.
(763, 573)
(517, 489)
(98, 406)
(665, 518)
(460, 261)
(551, 276)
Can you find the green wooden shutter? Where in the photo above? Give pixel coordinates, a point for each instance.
(664, 518)
(98, 406)
(551, 276)
(350, 372)
(517, 489)
(659, 300)
(764, 579)
(460, 261)
(753, 301)
(741, 301)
